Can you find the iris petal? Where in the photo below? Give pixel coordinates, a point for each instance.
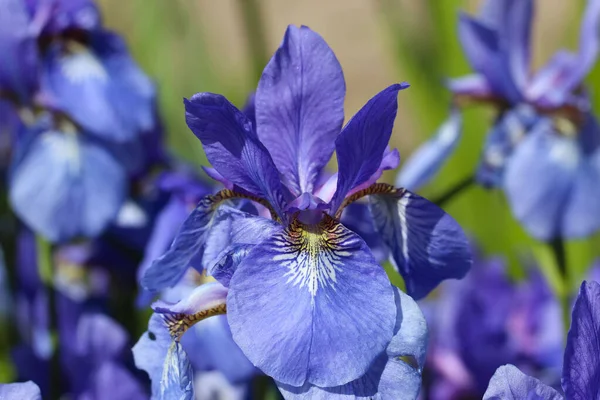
(20, 391)
(165, 362)
(311, 304)
(581, 367)
(508, 383)
(427, 244)
(361, 145)
(232, 147)
(425, 162)
(388, 377)
(54, 186)
(300, 107)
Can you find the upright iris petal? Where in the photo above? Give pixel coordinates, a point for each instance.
(300, 107)
(232, 147)
(361, 144)
(328, 305)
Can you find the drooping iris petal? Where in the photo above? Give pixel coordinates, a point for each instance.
(482, 48)
(508, 383)
(232, 147)
(505, 135)
(581, 367)
(427, 245)
(20, 391)
(66, 186)
(189, 244)
(361, 145)
(213, 348)
(388, 377)
(310, 304)
(18, 68)
(300, 107)
(548, 181)
(165, 362)
(425, 162)
(119, 96)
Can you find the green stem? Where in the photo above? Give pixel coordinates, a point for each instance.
(455, 190)
(255, 35)
(46, 272)
(557, 245)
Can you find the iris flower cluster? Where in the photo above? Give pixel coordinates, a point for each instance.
(274, 271)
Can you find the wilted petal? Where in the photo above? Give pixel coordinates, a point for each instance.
(427, 244)
(65, 186)
(311, 305)
(361, 145)
(165, 362)
(581, 367)
(232, 147)
(425, 162)
(300, 107)
(508, 383)
(20, 391)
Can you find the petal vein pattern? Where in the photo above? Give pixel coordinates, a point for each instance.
(311, 304)
(314, 255)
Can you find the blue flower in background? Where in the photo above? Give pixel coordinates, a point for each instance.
(302, 291)
(62, 16)
(485, 321)
(428, 158)
(64, 184)
(20, 391)
(581, 359)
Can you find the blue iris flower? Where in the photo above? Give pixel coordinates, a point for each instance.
(305, 298)
(487, 320)
(545, 132)
(581, 365)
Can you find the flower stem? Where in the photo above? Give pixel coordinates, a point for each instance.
(557, 245)
(255, 35)
(455, 190)
(46, 272)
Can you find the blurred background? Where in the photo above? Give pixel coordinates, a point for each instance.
(201, 45)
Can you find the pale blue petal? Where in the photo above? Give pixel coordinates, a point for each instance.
(508, 383)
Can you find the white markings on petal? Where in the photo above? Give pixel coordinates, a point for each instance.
(81, 66)
(402, 204)
(65, 147)
(566, 152)
(313, 254)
